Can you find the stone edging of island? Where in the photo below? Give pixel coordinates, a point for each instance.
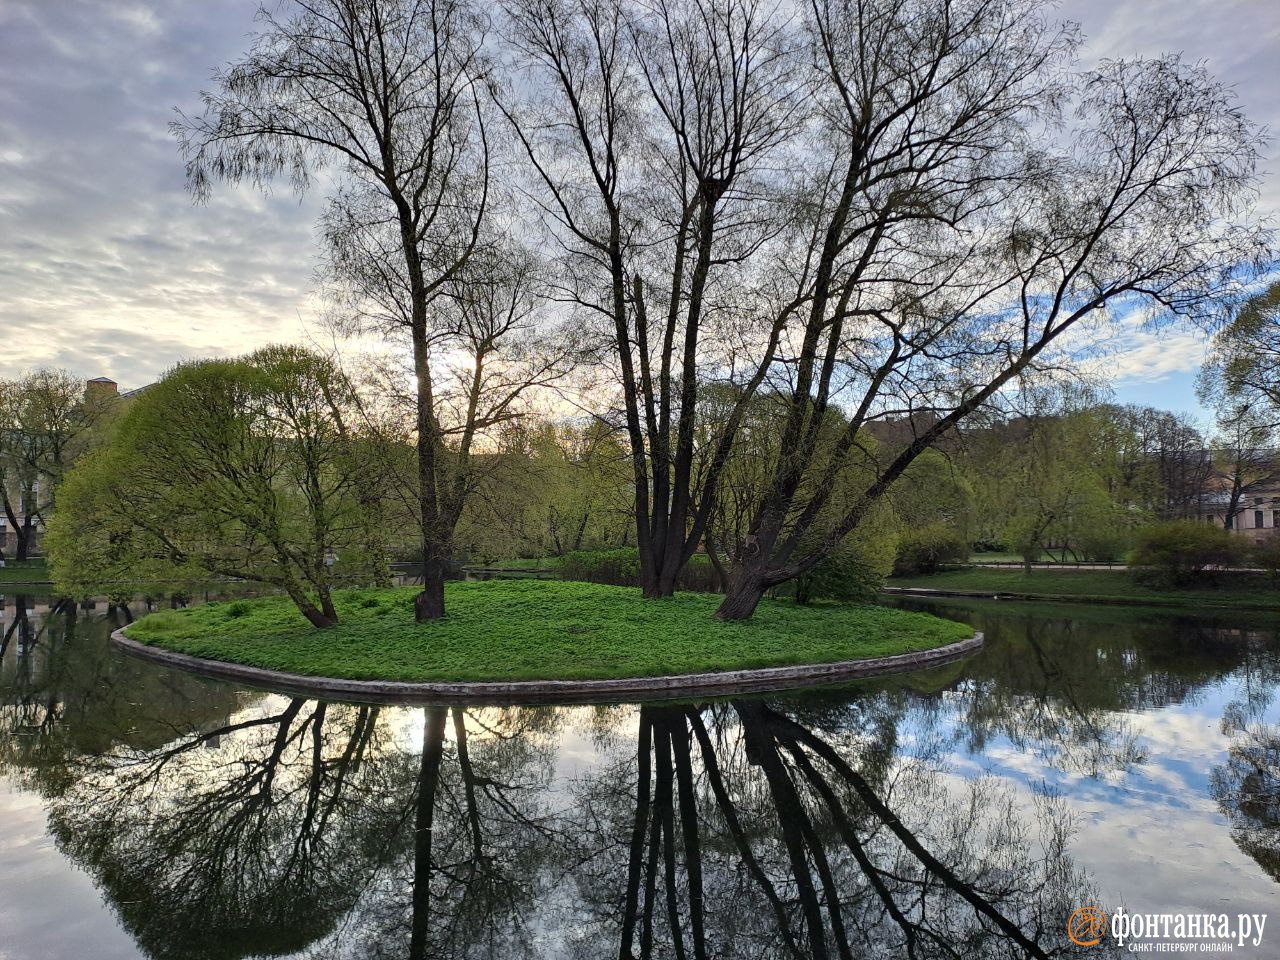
(719, 683)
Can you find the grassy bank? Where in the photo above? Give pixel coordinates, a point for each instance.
(28, 571)
(1232, 589)
(527, 630)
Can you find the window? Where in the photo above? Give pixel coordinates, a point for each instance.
(1229, 523)
(1258, 523)
(1275, 518)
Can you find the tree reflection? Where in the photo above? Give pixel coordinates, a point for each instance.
(470, 869)
(222, 823)
(755, 835)
(253, 836)
(1247, 786)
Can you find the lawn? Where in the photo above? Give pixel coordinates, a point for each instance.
(1233, 589)
(528, 630)
(26, 571)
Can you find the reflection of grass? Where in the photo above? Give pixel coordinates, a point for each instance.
(1232, 589)
(522, 630)
(27, 571)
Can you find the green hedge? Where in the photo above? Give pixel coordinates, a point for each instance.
(621, 568)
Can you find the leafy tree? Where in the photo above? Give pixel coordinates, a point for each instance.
(253, 469)
(47, 420)
(925, 549)
(551, 487)
(1242, 371)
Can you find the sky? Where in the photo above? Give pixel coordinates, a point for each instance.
(107, 268)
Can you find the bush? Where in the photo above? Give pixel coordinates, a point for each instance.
(1105, 545)
(925, 549)
(1182, 552)
(1267, 556)
(621, 568)
(853, 573)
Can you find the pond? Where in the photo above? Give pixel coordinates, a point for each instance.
(1087, 757)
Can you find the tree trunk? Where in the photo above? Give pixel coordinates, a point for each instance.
(429, 604)
(326, 604)
(316, 617)
(746, 587)
(423, 824)
(320, 619)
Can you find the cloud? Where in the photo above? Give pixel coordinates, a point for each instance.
(107, 267)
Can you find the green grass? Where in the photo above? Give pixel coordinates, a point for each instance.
(527, 630)
(1233, 589)
(28, 571)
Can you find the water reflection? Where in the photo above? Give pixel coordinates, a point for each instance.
(218, 822)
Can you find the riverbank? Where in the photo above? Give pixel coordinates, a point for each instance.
(1244, 591)
(504, 630)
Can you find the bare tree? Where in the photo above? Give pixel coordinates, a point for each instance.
(886, 211)
(393, 92)
(656, 137)
(954, 257)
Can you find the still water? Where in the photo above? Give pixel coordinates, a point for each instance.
(1087, 757)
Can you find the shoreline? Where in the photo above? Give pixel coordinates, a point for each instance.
(518, 692)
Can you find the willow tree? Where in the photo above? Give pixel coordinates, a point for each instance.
(881, 210)
(657, 141)
(1241, 375)
(389, 95)
(254, 469)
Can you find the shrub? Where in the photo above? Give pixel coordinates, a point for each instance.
(1267, 556)
(925, 549)
(1182, 552)
(621, 568)
(853, 573)
(1105, 545)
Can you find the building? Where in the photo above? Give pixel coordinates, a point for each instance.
(1246, 504)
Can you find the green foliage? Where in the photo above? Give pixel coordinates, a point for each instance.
(934, 490)
(1267, 556)
(856, 569)
(231, 468)
(1065, 477)
(1241, 374)
(1181, 553)
(621, 568)
(521, 630)
(1105, 544)
(926, 549)
(550, 488)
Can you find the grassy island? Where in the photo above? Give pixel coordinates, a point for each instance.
(504, 630)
